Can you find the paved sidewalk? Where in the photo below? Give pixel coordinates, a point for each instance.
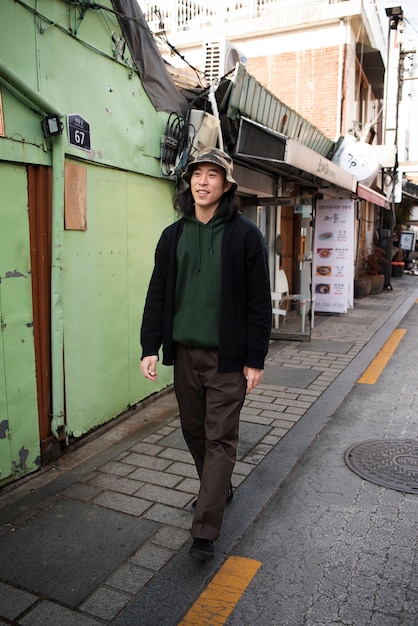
(105, 529)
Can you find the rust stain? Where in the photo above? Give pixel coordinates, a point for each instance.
(14, 274)
(23, 457)
(4, 427)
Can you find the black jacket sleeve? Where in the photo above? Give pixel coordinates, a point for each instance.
(246, 317)
(157, 320)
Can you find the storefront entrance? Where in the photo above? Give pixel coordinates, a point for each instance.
(288, 236)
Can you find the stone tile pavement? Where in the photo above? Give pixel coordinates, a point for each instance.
(79, 541)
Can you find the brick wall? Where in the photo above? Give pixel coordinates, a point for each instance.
(307, 81)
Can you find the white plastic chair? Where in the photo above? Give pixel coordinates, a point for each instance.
(277, 299)
(282, 297)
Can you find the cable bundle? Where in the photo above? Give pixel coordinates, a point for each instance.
(174, 145)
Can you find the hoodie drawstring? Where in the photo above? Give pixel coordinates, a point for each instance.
(211, 237)
(197, 270)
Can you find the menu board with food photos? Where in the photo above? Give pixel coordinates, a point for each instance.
(333, 258)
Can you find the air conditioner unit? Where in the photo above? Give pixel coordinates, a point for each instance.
(232, 56)
(221, 58)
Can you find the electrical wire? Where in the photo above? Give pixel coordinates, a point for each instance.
(411, 23)
(162, 36)
(175, 145)
(70, 33)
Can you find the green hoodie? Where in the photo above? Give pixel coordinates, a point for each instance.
(198, 285)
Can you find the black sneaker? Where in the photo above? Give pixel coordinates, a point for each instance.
(202, 549)
(228, 499)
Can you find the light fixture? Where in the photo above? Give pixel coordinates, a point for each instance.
(395, 13)
(393, 10)
(51, 126)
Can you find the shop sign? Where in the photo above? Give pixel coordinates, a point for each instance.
(333, 261)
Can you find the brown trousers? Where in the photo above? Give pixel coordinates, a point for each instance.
(210, 403)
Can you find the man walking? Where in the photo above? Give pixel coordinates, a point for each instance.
(209, 306)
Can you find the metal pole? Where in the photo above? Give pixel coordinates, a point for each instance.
(35, 101)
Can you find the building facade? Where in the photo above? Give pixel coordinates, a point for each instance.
(325, 61)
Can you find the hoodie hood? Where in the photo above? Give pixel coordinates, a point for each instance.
(204, 235)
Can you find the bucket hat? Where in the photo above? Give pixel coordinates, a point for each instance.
(216, 156)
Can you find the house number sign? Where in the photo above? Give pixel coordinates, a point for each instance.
(78, 132)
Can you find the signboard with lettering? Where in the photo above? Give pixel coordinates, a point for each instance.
(78, 132)
(361, 159)
(333, 261)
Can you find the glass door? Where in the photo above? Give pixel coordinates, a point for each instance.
(287, 230)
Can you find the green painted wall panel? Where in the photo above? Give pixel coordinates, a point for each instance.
(79, 75)
(149, 212)
(106, 268)
(106, 275)
(18, 359)
(5, 452)
(20, 122)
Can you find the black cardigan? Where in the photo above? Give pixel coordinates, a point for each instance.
(245, 311)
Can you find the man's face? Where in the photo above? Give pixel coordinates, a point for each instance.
(208, 185)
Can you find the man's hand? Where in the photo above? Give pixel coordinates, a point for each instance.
(149, 367)
(253, 376)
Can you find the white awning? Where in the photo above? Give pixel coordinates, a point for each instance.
(258, 145)
(305, 158)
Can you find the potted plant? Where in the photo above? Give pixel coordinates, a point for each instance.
(373, 268)
(398, 264)
(362, 286)
(370, 278)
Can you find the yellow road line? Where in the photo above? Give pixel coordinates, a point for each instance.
(376, 367)
(218, 600)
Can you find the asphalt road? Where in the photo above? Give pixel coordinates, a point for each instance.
(335, 548)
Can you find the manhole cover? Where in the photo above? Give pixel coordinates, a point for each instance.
(392, 463)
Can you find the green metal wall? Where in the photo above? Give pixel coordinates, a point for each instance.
(64, 61)
(106, 273)
(19, 434)
(78, 74)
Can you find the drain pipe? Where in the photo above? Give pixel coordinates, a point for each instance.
(35, 101)
(215, 111)
(340, 79)
(58, 426)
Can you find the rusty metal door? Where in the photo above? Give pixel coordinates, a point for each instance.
(19, 430)
(40, 220)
